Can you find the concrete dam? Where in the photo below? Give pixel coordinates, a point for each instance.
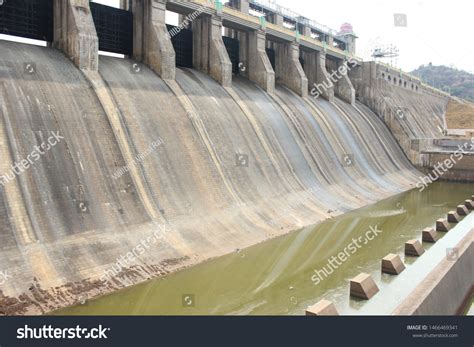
(188, 163)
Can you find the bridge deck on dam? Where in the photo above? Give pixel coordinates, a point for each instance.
(237, 20)
(232, 167)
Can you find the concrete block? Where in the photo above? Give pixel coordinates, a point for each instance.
(430, 235)
(469, 204)
(442, 225)
(363, 286)
(322, 308)
(392, 264)
(209, 52)
(414, 248)
(453, 217)
(462, 210)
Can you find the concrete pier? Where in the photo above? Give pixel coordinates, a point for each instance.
(209, 52)
(260, 69)
(75, 34)
(288, 70)
(151, 41)
(344, 88)
(320, 83)
(338, 76)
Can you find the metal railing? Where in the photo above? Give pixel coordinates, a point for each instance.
(285, 12)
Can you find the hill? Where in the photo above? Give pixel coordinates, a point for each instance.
(460, 83)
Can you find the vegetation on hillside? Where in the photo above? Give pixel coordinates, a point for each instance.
(460, 83)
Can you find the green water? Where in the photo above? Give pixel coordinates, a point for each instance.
(275, 278)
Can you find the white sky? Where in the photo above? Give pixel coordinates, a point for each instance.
(438, 31)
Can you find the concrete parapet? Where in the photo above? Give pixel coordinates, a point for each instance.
(322, 308)
(414, 248)
(443, 290)
(260, 69)
(151, 41)
(75, 34)
(392, 264)
(453, 217)
(363, 286)
(209, 52)
(442, 225)
(462, 210)
(430, 235)
(288, 69)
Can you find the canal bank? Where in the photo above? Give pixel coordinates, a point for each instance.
(275, 277)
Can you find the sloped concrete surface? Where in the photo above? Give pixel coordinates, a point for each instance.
(234, 167)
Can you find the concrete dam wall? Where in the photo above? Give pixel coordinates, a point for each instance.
(414, 112)
(210, 170)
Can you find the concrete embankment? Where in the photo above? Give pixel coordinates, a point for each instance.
(234, 167)
(445, 289)
(420, 118)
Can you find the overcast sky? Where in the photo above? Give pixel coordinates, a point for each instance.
(438, 31)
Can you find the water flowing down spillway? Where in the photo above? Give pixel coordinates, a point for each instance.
(233, 167)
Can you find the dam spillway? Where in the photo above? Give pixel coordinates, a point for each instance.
(232, 166)
(300, 169)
